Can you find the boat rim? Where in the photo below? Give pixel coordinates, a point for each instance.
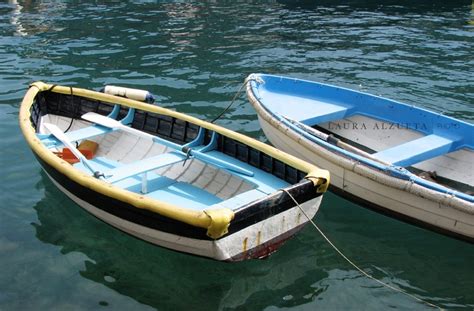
(256, 77)
(215, 220)
(393, 170)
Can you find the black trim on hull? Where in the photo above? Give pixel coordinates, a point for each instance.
(124, 210)
(167, 127)
(244, 217)
(401, 217)
(272, 205)
(261, 251)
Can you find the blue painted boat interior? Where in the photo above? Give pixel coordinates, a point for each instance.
(129, 176)
(313, 103)
(188, 196)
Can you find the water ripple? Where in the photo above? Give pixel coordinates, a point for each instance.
(194, 56)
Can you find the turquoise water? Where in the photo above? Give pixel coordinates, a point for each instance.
(194, 56)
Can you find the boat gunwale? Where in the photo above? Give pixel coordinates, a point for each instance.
(246, 215)
(255, 76)
(393, 171)
(216, 221)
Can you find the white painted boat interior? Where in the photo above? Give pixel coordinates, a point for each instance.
(189, 183)
(377, 135)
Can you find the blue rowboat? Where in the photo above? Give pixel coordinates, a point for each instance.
(398, 159)
(168, 178)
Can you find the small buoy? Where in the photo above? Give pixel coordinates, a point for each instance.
(126, 92)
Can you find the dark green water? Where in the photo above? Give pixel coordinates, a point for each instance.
(194, 56)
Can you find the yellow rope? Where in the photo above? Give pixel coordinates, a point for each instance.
(353, 264)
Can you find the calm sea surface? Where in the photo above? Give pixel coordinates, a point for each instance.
(194, 56)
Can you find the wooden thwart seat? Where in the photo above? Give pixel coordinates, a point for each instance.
(327, 113)
(80, 134)
(308, 110)
(417, 150)
(143, 166)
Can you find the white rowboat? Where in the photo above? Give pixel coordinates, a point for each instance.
(168, 178)
(398, 159)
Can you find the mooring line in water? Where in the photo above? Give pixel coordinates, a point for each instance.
(233, 99)
(353, 264)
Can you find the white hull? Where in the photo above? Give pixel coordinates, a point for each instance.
(257, 240)
(384, 192)
(168, 178)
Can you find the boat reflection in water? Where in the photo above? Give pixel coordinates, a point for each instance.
(166, 279)
(34, 17)
(14, 19)
(305, 272)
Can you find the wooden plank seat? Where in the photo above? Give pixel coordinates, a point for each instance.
(264, 182)
(242, 199)
(139, 167)
(116, 173)
(160, 187)
(132, 181)
(310, 109)
(90, 131)
(418, 150)
(80, 134)
(327, 113)
(184, 194)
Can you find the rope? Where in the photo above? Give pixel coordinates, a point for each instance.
(75, 110)
(233, 100)
(353, 264)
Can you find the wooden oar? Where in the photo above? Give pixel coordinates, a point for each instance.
(56, 132)
(334, 141)
(114, 124)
